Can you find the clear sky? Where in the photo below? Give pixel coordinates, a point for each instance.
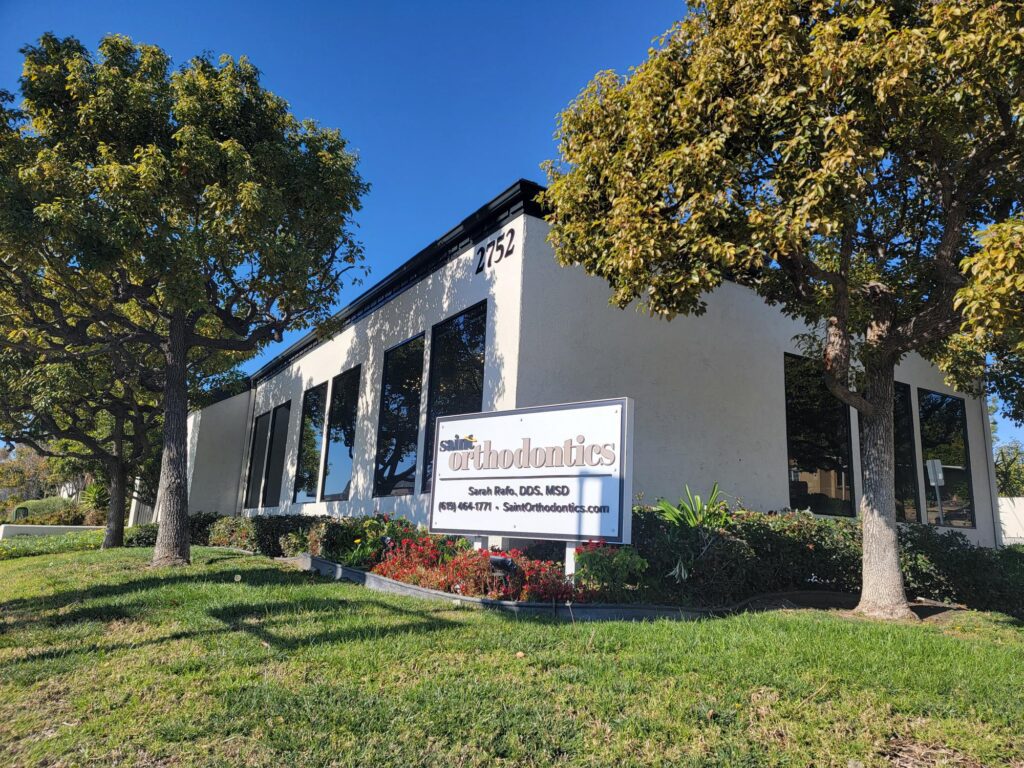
(447, 102)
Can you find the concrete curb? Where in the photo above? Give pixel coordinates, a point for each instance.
(559, 611)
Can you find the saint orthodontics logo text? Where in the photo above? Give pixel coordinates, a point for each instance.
(470, 453)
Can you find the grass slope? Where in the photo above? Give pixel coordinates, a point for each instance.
(236, 661)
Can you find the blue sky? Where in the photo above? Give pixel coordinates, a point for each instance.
(446, 102)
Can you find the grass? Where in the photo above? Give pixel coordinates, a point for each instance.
(29, 546)
(238, 661)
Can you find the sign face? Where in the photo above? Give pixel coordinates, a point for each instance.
(561, 472)
(935, 472)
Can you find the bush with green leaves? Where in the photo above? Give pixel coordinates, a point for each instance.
(37, 508)
(141, 535)
(756, 553)
(95, 496)
(609, 572)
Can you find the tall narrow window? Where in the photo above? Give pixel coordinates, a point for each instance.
(341, 435)
(275, 455)
(817, 442)
(398, 425)
(944, 437)
(905, 449)
(311, 435)
(456, 382)
(257, 460)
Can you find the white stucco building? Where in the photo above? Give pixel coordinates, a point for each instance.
(484, 319)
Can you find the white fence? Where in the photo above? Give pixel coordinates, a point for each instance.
(1011, 516)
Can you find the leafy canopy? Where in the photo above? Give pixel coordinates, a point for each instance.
(838, 158)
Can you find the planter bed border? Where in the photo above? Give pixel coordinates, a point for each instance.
(559, 611)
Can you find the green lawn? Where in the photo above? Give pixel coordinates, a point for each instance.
(237, 661)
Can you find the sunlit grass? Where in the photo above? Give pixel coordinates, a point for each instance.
(237, 661)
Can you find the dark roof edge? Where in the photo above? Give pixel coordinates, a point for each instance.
(518, 199)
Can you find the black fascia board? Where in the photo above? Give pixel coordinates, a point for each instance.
(518, 199)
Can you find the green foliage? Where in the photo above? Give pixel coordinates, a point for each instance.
(141, 535)
(757, 553)
(201, 524)
(36, 508)
(234, 532)
(28, 546)
(609, 573)
(1009, 465)
(695, 512)
(96, 496)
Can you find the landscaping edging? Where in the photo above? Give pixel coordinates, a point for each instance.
(561, 611)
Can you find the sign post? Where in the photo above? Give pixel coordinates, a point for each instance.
(936, 480)
(560, 472)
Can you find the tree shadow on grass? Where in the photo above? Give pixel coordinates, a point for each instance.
(252, 619)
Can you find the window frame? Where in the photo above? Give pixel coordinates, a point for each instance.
(380, 412)
(968, 468)
(270, 444)
(854, 510)
(343, 496)
(252, 455)
(425, 484)
(299, 454)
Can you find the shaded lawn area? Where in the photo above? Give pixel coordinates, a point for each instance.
(106, 662)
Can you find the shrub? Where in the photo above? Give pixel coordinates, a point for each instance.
(610, 573)
(53, 510)
(141, 535)
(544, 581)
(234, 532)
(294, 543)
(95, 496)
(199, 526)
(47, 506)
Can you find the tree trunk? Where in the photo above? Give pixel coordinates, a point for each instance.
(882, 594)
(114, 537)
(172, 540)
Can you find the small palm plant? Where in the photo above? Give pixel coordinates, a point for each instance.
(706, 517)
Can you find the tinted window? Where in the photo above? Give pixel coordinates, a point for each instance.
(817, 442)
(904, 444)
(275, 455)
(257, 459)
(341, 435)
(311, 435)
(398, 425)
(944, 437)
(456, 373)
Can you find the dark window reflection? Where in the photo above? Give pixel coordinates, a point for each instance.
(456, 374)
(257, 460)
(311, 434)
(944, 437)
(907, 501)
(817, 441)
(275, 455)
(398, 425)
(341, 435)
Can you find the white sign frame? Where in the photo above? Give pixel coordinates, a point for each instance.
(624, 468)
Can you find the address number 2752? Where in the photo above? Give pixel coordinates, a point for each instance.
(493, 251)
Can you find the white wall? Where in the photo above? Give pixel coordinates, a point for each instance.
(709, 390)
(446, 292)
(1011, 517)
(216, 444)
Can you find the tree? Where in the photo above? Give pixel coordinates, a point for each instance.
(86, 411)
(1009, 463)
(188, 211)
(838, 159)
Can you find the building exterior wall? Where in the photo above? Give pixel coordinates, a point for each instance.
(709, 390)
(1011, 517)
(444, 293)
(216, 437)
